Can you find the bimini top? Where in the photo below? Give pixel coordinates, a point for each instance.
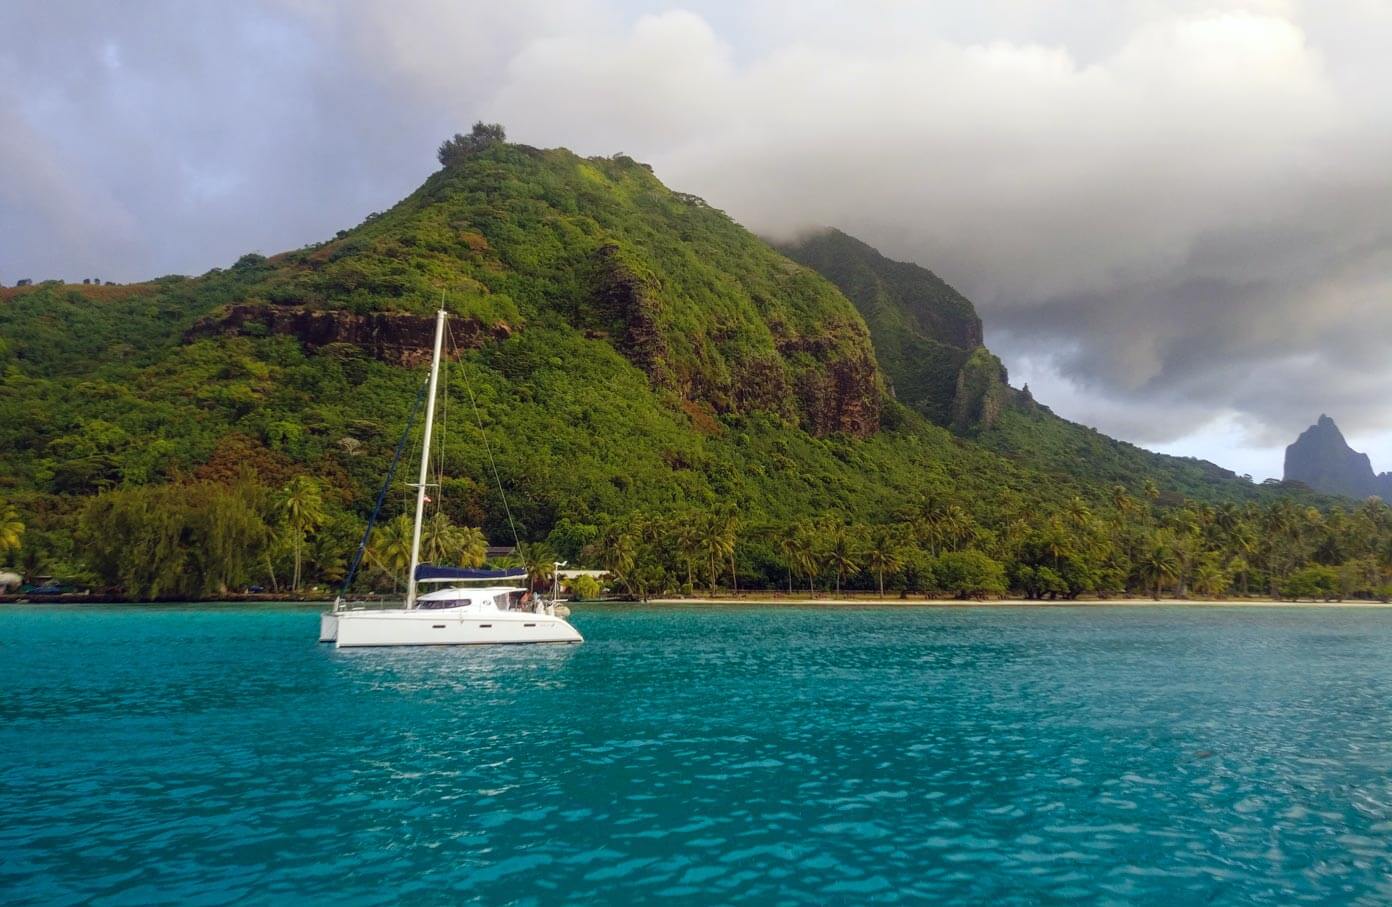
(429, 573)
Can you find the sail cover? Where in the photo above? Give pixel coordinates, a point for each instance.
(427, 572)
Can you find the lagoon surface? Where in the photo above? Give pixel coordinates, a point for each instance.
(770, 755)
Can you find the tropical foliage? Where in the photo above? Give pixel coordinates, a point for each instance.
(11, 529)
(959, 549)
(662, 394)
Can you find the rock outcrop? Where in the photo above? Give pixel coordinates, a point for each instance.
(828, 383)
(1322, 459)
(983, 392)
(399, 338)
(630, 303)
(843, 396)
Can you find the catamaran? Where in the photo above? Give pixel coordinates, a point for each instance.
(497, 611)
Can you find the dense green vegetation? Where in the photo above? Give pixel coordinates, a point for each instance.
(938, 546)
(664, 395)
(924, 331)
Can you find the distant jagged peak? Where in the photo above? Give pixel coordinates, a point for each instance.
(1323, 430)
(1322, 459)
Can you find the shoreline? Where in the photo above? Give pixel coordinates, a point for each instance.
(876, 602)
(101, 598)
(760, 600)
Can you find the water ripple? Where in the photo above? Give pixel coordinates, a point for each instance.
(727, 755)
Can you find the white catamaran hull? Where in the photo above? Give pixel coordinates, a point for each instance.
(442, 627)
(328, 626)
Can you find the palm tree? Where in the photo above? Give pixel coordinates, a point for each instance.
(1211, 578)
(686, 537)
(1186, 548)
(540, 562)
(616, 550)
(957, 527)
(1078, 513)
(11, 528)
(442, 542)
(1242, 540)
(930, 533)
(1057, 542)
(728, 521)
(928, 524)
(718, 543)
(439, 539)
(804, 552)
(1227, 517)
(390, 550)
(789, 547)
(1238, 566)
(1158, 564)
(302, 506)
(885, 554)
(1012, 534)
(473, 547)
(842, 553)
(1121, 500)
(1281, 534)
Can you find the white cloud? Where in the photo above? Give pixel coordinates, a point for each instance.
(1176, 209)
(1183, 193)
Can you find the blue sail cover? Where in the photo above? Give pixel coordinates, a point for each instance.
(427, 572)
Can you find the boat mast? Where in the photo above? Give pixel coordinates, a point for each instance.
(440, 317)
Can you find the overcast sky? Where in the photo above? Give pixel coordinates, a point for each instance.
(1175, 217)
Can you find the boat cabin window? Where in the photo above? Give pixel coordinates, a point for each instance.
(444, 603)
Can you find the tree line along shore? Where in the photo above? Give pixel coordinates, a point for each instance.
(243, 539)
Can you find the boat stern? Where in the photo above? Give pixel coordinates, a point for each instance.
(328, 626)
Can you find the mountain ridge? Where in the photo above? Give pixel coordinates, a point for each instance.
(921, 347)
(928, 337)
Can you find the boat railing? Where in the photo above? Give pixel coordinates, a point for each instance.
(369, 602)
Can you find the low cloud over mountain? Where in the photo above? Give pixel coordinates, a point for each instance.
(1166, 213)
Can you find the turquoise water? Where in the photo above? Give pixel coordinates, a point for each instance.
(1155, 755)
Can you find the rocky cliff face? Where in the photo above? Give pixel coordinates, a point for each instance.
(926, 334)
(399, 338)
(810, 380)
(1322, 459)
(983, 392)
(630, 303)
(844, 396)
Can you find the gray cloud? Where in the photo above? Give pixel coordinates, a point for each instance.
(1170, 212)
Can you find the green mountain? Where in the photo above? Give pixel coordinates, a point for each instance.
(630, 349)
(928, 339)
(923, 330)
(631, 357)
